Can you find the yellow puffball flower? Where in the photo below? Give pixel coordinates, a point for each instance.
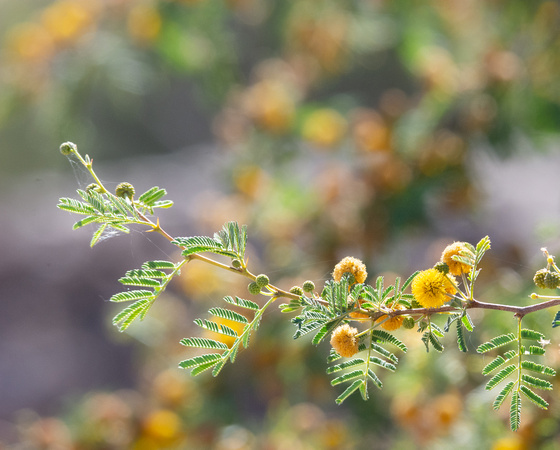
(455, 267)
(324, 127)
(344, 341)
(431, 288)
(393, 323)
(350, 265)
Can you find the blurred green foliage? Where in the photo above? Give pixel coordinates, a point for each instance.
(337, 120)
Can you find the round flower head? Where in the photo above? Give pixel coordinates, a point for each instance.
(353, 266)
(455, 267)
(124, 190)
(431, 288)
(393, 323)
(343, 340)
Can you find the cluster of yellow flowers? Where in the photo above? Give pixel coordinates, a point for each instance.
(431, 288)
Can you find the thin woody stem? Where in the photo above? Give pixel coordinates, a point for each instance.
(519, 311)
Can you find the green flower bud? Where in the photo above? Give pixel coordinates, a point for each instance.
(546, 279)
(254, 288)
(415, 304)
(93, 187)
(408, 323)
(262, 280)
(124, 190)
(539, 278)
(68, 148)
(236, 263)
(552, 280)
(442, 267)
(308, 286)
(296, 290)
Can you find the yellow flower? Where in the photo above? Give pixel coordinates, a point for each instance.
(144, 23)
(455, 267)
(324, 127)
(393, 323)
(344, 341)
(432, 288)
(350, 265)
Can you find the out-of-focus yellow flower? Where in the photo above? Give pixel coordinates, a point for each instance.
(271, 105)
(343, 340)
(30, 42)
(67, 20)
(250, 180)
(324, 127)
(170, 387)
(431, 288)
(351, 265)
(144, 23)
(321, 35)
(370, 131)
(509, 443)
(163, 426)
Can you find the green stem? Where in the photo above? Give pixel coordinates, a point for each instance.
(519, 352)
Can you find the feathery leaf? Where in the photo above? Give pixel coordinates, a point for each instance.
(496, 342)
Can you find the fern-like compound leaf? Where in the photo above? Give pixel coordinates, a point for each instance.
(382, 363)
(159, 265)
(324, 331)
(345, 365)
(75, 206)
(127, 296)
(127, 315)
(500, 376)
(493, 365)
(208, 359)
(531, 335)
(242, 303)
(461, 343)
(349, 391)
(536, 382)
(97, 235)
(216, 328)
(515, 411)
(384, 336)
(203, 343)
(498, 341)
(503, 395)
(349, 376)
(85, 221)
(536, 350)
(140, 281)
(152, 195)
(145, 273)
(384, 352)
(539, 368)
(535, 398)
(556, 320)
(228, 315)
